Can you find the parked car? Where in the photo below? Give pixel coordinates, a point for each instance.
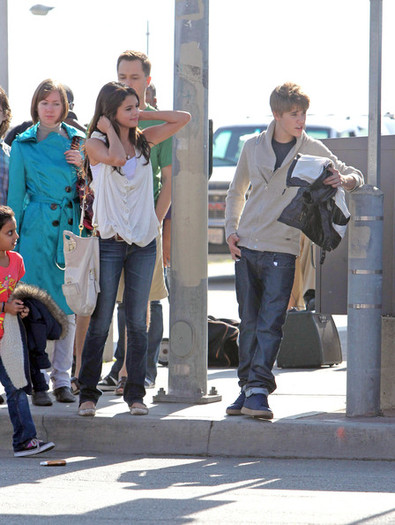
(227, 145)
(387, 124)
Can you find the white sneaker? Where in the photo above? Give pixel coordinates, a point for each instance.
(138, 409)
(32, 447)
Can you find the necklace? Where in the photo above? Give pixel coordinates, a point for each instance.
(131, 153)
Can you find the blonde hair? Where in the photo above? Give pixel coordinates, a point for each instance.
(288, 96)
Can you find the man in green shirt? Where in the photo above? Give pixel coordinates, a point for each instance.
(134, 70)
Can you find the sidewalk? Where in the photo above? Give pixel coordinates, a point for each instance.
(308, 405)
(310, 422)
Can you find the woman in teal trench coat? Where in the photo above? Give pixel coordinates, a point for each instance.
(42, 193)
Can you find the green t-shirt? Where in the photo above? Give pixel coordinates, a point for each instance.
(161, 154)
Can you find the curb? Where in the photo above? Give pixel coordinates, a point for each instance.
(322, 436)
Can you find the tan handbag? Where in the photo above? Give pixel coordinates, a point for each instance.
(82, 272)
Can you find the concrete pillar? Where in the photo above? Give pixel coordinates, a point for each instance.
(188, 297)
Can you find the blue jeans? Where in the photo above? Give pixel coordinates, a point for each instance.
(19, 411)
(155, 334)
(263, 286)
(138, 264)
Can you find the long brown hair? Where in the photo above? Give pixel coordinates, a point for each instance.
(108, 101)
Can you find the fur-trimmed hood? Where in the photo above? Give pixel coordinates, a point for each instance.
(25, 291)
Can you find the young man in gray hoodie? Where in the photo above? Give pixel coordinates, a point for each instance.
(264, 248)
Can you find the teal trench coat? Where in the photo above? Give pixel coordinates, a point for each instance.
(42, 193)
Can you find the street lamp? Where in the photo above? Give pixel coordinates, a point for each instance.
(40, 10)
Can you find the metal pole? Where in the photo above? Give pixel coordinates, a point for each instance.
(374, 138)
(365, 257)
(188, 295)
(4, 45)
(365, 284)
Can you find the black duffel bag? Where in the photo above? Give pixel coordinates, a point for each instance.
(223, 348)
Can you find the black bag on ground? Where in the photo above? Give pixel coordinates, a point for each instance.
(311, 340)
(223, 348)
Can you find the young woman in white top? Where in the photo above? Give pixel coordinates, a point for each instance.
(118, 154)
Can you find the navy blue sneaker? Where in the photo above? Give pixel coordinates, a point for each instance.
(235, 408)
(256, 405)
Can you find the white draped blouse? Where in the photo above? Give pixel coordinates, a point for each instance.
(124, 202)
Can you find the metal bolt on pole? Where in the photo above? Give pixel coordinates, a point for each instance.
(365, 276)
(188, 296)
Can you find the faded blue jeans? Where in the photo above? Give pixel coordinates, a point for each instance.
(138, 264)
(264, 282)
(19, 411)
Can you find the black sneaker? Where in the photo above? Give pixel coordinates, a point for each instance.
(256, 405)
(235, 408)
(32, 447)
(63, 394)
(41, 399)
(107, 384)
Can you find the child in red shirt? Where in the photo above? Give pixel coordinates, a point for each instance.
(25, 442)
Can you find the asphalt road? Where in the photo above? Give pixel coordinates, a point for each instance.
(183, 490)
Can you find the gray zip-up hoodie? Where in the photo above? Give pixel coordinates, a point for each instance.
(255, 220)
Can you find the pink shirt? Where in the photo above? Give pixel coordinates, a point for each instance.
(9, 277)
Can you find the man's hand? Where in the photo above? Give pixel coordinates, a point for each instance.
(232, 241)
(336, 180)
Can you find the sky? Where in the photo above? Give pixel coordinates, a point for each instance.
(254, 45)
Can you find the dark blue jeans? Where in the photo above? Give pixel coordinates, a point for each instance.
(19, 411)
(263, 286)
(138, 264)
(155, 334)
